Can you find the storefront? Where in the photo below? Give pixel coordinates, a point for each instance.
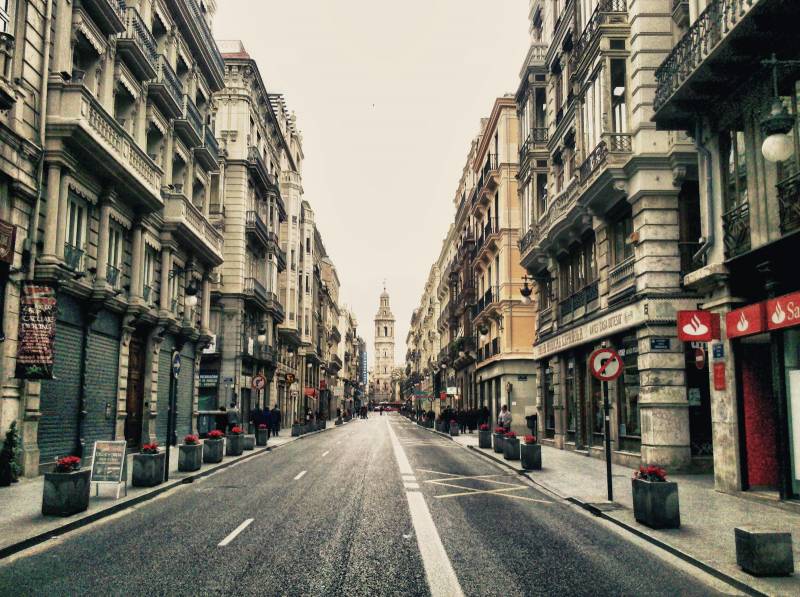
(650, 394)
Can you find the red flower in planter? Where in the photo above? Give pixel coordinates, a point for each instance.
(500, 430)
(236, 430)
(651, 473)
(262, 426)
(215, 434)
(150, 448)
(530, 439)
(484, 427)
(67, 464)
(511, 435)
(191, 440)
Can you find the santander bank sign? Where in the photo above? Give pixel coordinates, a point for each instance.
(784, 311)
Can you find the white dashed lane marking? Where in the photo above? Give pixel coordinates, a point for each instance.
(235, 533)
(300, 475)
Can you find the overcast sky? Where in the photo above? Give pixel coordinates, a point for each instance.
(388, 96)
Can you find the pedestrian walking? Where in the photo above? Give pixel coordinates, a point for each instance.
(275, 420)
(233, 417)
(504, 420)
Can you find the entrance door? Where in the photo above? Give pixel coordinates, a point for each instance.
(758, 407)
(135, 393)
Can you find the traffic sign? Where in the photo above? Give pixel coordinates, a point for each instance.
(176, 364)
(605, 364)
(259, 381)
(700, 358)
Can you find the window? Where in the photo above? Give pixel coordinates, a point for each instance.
(385, 331)
(308, 284)
(545, 290)
(308, 244)
(114, 254)
(5, 20)
(74, 247)
(148, 274)
(570, 389)
(621, 243)
(733, 154)
(549, 392)
(619, 109)
(628, 396)
(294, 263)
(541, 192)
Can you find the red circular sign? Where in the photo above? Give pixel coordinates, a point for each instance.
(259, 381)
(700, 358)
(605, 364)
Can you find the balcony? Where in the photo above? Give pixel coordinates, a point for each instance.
(112, 275)
(487, 181)
(73, 257)
(7, 93)
(487, 235)
(576, 305)
(109, 15)
(537, 139)
(335, 363)
(462, 351)
(720, 51)
(789, 202)
(259, 167)
(208, 152)
(608, 12)
(191, 226)
(257, 228)
(148, 295)
(198, 35)
(334, 335)
(189, 124)
(275, 308)
(137, 46)
(255, 291)
(736, 226)
(76, 118)
(621, 277)
(167, 91)
(489, 298)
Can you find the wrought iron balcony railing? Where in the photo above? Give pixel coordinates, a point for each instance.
(736, 225)
(621, 274)
(137, 31)
(73, 257)
(112, 275)
(605, 12)
(789, 203)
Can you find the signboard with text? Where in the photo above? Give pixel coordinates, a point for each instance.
(37, 331)
(108, 461)
(784, 311)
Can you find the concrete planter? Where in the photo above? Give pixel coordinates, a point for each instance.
(485, 439)
(531, 456)
(498, 442)
(453, 429)
(65, 494)
(261, 437)
(190, 457)
(297, 430)
(655, 504)
(338, 421)
(213, 450)
(235, 444)
(764, 552)
(511, 448)
(148, 469)
(249, 441)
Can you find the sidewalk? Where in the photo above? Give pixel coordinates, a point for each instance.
(708, 517)
(22, 524)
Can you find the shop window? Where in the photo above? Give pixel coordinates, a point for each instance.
(628, 397)
(620, 234)
(549, 395)
(572, 407)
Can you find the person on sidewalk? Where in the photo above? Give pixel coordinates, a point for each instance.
(233, 417)
(484, 417)
(504, 420)
(275, 420)
(221, 420)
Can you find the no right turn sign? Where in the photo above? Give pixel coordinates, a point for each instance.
(605, 364)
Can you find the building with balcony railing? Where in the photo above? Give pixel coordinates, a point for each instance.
(249, 214)
(722, 88)
(610, 210)
(122, 234)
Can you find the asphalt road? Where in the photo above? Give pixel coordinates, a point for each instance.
(329, 515)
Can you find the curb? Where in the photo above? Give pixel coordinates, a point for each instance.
(708, 569)
(74, 525)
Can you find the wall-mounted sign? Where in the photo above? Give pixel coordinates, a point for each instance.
(784, 311)
(605, 364)
(452, 390)
(660, 343)
(746, 321)
(694, 396)
(37, 331)
(698, 326)
(718, 351)
(259, 381)
(209, 380)
(700, 358)
(719, 376)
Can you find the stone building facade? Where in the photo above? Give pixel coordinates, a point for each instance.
(610, 225)
(384, 350)
(723, 90)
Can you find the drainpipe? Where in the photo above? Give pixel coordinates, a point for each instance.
(33, 230)
(708, 238)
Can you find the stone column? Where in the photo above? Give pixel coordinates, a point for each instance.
(655, 221)
(103, 242)
(63, 210)
(558, 403)
(205, 314)
(188, 180)
(169, 155)
(137, 260)
(51, 212)
(663, 407)
(166, 266)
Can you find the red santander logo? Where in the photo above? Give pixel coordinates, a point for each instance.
(784, 311)
(746, 321)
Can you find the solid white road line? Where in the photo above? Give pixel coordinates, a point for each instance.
(235, 533)
(442, 579)
(300, 475)
(326, 453)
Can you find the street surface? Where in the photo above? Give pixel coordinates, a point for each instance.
(340, 513)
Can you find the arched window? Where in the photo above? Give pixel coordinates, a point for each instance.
(385, 331)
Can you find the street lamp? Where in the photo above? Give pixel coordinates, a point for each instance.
(483, 332)
(262, 335)
(526, 292)
(778, 145)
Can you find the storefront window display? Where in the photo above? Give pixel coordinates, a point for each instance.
(628, 397)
